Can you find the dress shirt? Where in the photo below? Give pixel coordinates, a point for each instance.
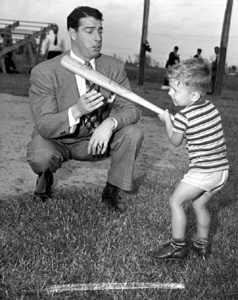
(213, 57)
(49, 43)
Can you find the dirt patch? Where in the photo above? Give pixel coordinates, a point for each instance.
(16, 176)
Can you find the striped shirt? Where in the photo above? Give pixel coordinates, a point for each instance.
(201, 125)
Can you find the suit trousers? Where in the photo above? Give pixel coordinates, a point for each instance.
(45, 156)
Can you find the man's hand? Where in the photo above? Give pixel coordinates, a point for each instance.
(100, 137)
(87, 103)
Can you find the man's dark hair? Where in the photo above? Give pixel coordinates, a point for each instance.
(176, 48)
(82, 12)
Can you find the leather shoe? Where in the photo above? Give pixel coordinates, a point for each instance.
(170, 252)
(41, 197)
(111, 196)
(201, 249)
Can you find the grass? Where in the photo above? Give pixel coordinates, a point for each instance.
(15, 84)
(75, 239)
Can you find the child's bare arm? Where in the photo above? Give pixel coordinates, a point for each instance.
(175, 138)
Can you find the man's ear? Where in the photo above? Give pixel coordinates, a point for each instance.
(195, 96)
(72, 33)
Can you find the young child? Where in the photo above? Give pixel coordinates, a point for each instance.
(199, 122)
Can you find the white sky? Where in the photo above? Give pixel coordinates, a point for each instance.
(188, 24)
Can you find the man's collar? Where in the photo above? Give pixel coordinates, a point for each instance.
(92, 61)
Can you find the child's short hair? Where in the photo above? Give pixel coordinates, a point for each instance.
(194, 72)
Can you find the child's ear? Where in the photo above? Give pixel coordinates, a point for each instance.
(195, 96)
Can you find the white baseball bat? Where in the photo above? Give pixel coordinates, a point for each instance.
(105, 82)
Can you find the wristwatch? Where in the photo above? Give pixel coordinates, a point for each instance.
(115, 123)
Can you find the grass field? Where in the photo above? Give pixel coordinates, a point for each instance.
(73, 239)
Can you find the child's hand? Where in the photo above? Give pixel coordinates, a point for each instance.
(165, 116)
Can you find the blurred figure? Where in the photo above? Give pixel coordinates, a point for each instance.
(9, 63)
(198, 55)
(214, 64)
(8, 57)
(172, 60)
(54, 44)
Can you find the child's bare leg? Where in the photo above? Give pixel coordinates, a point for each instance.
(182, 194)
(202, 215)
(200, 240)
(177, 248)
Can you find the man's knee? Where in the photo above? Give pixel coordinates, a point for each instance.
(42, 157)
(134, 133)
(40, 160)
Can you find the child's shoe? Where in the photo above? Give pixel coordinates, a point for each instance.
(201, 247)
(170, 251)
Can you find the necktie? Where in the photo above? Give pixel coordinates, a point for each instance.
(93, 119)
(56, 40)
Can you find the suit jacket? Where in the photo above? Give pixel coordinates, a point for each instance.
(53, 90)
(173, 59)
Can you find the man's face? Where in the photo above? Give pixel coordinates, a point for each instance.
(87, 41)
(55, 29)
(216, 49)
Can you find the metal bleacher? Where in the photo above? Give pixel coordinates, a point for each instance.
(23, 39)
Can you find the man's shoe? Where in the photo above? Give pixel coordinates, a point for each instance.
(170, 251)
(41, 197)
(201, 248)
(111, 196)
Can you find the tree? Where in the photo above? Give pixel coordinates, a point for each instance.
(149, 61)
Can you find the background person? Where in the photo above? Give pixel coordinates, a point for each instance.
(172, 60)
(199, 53)
(214, 65)
(74, 122)
(8, 57)
(54, 44)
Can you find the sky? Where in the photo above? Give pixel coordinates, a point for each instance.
(188, 24)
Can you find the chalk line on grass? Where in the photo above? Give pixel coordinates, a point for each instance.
(112, 286)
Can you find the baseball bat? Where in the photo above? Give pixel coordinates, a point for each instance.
(92, 75)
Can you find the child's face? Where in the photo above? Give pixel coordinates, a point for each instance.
(180, 93)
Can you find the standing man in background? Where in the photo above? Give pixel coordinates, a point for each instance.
(199, 53)
(214, 64)
(54, 44)
(73, 119)
(172, 60)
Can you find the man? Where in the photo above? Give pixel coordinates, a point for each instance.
(8, 58)
(199, 53)
(214, 64)
(66, 115)
(172, 60)
(54, 44)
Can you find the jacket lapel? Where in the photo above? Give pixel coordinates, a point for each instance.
(70, 86)
(100, 67)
